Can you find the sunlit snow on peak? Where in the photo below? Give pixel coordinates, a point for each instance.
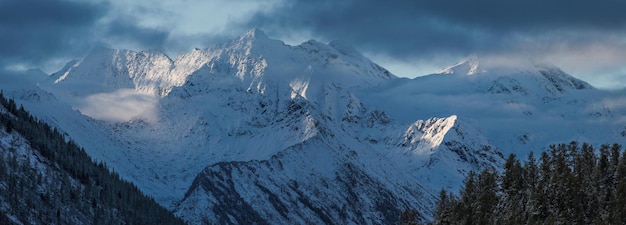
(468, 66)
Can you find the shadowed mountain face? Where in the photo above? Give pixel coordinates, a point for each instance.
(46, 179)
(256, 131)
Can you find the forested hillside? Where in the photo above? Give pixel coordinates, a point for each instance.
(45, 179)
(569, 184)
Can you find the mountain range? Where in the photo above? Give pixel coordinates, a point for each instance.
(254, 131)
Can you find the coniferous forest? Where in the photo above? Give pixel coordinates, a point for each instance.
(58, 183)
(568, 184)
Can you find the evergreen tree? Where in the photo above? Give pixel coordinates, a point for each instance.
(466, 210)
(487, 197)
(444, 210)
(514, 198)
(569, 185)
(620, 192)
(409, 217)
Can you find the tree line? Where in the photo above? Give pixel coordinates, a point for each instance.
(80, 191)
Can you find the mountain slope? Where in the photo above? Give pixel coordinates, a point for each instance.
(291, 188)
(45, 179)
(324, 181)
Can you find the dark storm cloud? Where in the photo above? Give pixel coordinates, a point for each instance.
(403, 28)
(531, 14)
(121, 30)
(35, 32)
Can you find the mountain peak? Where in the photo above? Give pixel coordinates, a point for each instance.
(467, 66)
(252, 41)
(560, 80)
(253, 35)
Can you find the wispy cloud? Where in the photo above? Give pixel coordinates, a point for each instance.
(119, 106)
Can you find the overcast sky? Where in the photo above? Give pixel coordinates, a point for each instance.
(409, 37)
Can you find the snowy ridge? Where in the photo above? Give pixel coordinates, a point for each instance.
(274, 192)
(514, 77)
(468, 66)
(107, 70)
(258, 61)
(151, 72)
(426, 136)
(440, 150)
(353, 173)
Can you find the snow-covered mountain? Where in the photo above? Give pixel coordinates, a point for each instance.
(257, 131)
(518, 107)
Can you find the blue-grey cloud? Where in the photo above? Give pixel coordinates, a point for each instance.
(34, 32)
(424, 27)
(123, 30)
